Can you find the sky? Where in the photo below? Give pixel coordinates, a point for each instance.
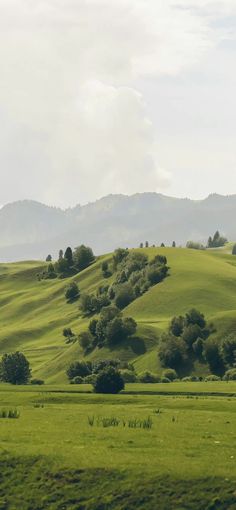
(116, 96)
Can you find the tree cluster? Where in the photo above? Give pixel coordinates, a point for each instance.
(68, 263)
(104, 375)
(110, 329)
(217, 241)
(185, 341)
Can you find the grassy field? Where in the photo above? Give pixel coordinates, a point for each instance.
(33, 313)
(53, 458)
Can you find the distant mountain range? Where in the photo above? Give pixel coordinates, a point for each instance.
(31, 230)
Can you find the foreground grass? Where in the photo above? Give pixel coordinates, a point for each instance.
(52, 458)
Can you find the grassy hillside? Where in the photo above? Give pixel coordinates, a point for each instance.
(33, 313)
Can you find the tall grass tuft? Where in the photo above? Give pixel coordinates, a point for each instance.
(9, 413)
(91, 420)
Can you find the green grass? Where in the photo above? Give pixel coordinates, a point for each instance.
(34, 313)
(51, 458)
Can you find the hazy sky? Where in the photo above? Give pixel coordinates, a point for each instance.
(116, 96)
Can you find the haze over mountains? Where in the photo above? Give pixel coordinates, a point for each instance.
(31, 230)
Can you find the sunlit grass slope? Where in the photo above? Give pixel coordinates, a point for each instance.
(33, 313)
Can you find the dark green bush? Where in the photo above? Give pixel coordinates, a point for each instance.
(109, 380)
(148, 377)
(72, 291)
(15, 368)
(38, 382)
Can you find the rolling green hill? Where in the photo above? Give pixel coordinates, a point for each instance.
(33, 313)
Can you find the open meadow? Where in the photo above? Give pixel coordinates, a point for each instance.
(153, 446)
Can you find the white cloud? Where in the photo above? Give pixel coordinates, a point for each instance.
(77, 126)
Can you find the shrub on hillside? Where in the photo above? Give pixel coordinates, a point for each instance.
(190, 378)
(79, 368)
(128, 376)
(170, 374)
(85, 340)
(72, 292)
(172, 352)
(212, 355)
(165, 380)
(109, 380)
(228, 350)
(83, 257)
(230, 375)
(90, 379)
(234, 249)
(124, 296)
(77, 380)
(212, 377)
(192, 245)
(148, 377)
(38, 382)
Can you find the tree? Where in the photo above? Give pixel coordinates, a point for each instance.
(49, 258)
(67, 332)
(15, 368)
(85, 340)
(177, 325)
(156, 274)
(129, 327)
(209, 243)
(141, 245)
(105, 269)
(69, 256)
(92, 327)
(51, 271)
(146, 244)
(60, 255)
(119, 255)
(191, 333)
(109, 380)
(72, 292)
(197, 347)
(217, 240)
(195, 317)
(61, 266)
(172, 352)
(114, 331)
(162, 245)
(124, 296)
(234, 250)
(212, 355)
(174, 244)
(83, 257)
(228, 350)
(78, 368)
